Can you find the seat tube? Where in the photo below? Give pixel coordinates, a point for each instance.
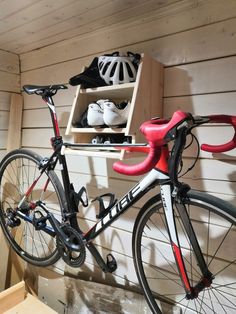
(174, 240)
(52, 109)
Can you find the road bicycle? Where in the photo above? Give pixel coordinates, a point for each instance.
(183, 240)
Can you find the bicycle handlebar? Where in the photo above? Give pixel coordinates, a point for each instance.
(160, 132)
(141, 168)
(223, 147)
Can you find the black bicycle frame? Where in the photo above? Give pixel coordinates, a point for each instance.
(153, 178)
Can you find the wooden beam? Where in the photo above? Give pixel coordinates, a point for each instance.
(15, 120)
(13, 142)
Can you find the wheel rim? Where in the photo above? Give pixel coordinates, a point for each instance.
(19, 173)
(156, 266)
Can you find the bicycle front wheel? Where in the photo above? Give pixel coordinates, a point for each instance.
(32, 239)
(214, 223)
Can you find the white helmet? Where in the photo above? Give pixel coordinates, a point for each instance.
(115, 69)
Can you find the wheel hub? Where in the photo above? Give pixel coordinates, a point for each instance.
(201, 285)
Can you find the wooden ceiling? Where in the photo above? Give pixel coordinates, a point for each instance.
(26, 25)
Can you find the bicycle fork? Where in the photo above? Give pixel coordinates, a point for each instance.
(207, 277)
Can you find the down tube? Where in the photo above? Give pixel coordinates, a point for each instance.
(140, 189)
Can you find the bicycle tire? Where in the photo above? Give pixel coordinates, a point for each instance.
(214, 221)
(18, 170)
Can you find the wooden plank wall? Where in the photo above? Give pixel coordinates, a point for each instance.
(9, 85)
(195, 40)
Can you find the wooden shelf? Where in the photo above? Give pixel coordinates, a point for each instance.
(117, 91)
(94, 152)
(144, 95)
(98, 130)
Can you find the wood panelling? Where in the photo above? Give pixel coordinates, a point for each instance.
(28, 25)
(208, 103)
(9, 86)
(9, 82)
(9, 62)
(188, 33)
(195, 42)
(201, 77)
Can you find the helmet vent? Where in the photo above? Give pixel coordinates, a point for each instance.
(131, 74)
(100, 65)
(105, 67)
(121, 74)
(113, 69)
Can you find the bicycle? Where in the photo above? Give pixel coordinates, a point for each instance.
(182, 239)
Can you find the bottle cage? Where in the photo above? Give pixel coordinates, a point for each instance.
(102, 209)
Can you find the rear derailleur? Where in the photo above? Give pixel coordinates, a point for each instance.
(12, 220)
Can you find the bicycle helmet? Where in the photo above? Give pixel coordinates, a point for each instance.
(115, 69)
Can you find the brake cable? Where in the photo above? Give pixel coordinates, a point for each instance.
(193, 138)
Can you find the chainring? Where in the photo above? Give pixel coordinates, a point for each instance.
(76, 257)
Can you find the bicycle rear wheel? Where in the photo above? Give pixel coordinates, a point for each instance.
(18, 170)
(214, 223)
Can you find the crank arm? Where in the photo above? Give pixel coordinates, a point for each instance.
(100, 261)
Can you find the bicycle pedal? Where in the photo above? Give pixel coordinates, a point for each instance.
(111, 263)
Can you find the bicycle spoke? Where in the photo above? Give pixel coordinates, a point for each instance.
(230, 294)
(225, 285)
(7, 196)
(162, 273)
(168, 261)
(195, 305)
(13, 183)
(220, 245)
(33, 242)
(222, 295)
(186, 308)
(224, 268)
(219, 302)
(208, 236)
(40, 236)
(202, 300)
(161, 232)
(210, 299)
(200, 304)
(22, 235)
(206, 305)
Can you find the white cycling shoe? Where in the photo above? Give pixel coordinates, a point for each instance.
(115, 115)
(96, 113)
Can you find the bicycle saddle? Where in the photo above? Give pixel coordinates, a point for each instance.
(40, 90)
